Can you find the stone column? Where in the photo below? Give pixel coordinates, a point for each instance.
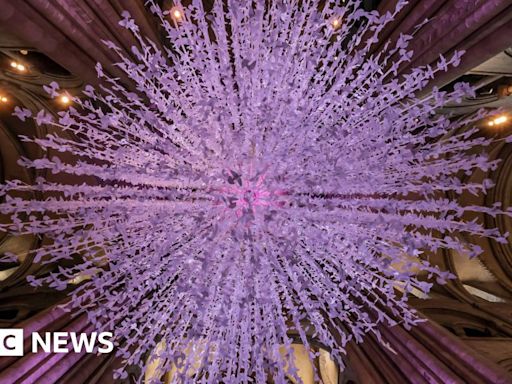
(425, 354)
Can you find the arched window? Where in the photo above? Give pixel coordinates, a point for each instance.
(324, 364)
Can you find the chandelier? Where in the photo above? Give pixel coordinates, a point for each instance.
(266, 178)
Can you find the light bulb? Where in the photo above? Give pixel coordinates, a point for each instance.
(176, 14)
(64, 99)
(500, 120)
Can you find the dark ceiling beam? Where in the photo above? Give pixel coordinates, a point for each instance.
(71, 34)
(481, 28)
(481, 51)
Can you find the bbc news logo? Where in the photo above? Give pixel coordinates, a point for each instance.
(11, 342)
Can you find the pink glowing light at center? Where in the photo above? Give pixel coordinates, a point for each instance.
(250, 195)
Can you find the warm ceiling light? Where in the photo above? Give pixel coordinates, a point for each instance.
(336, 23)
(4, 99)
(20, 67)
(64, 99)
(24, 52)
(500, 120)
(497, 121)
(177, 14)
